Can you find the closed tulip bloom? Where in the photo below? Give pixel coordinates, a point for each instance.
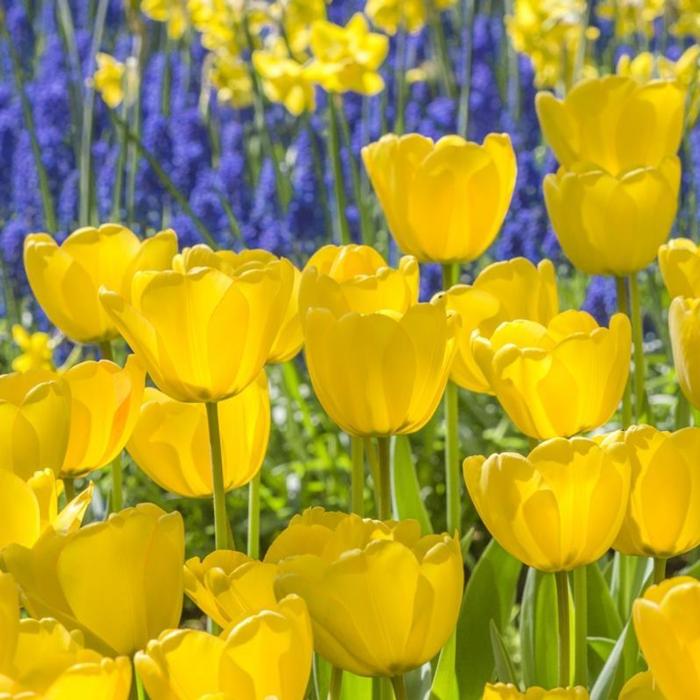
(228, 586)
(265, 655)
(614, 123)
(357, 278)
(204, 335)
(444, 201)
(66, 278)
(506, 691)
(381, 373)
(105, 403)
(383, 600)
(30, 507)
(641, 686)
(559, 379)
(679, 260)
(684, 326)
(666, 623)
(663, 514)
(34, 422)
(613, 225)
(119, 582)
(170, 441)
(559, 508)
(504, 291)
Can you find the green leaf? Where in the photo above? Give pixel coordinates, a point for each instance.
(355, 687)
(505, 668)
(608, 681)
(407, 501)
(444, 685)
(603, 616)
(539, 630)
(601, 647)
(489, 595)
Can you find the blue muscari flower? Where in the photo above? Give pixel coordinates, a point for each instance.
(265, 228)
(601, 299)
(20, 29)
(430, 281)
(149, 191)
(11, 245)
(190, 149)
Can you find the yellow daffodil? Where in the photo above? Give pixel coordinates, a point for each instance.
(411, 15)
(119, 582)
(631, 16)
(267, 654)
(684, 327)
(558, 379)
(297, 18)
(382, 599)
(665, 621)
(347, 59)
(381, 373)
(506, 691)
(613, 225)
(172, 12)
(559, 508)
(641, 686)
(444, 201)
(221, 23)
(504, 291)
(688, 23)
(36, 350)
(170, 441)
(66, 279)
(285, 81)
(231, 77)
(679, 260)
(109, 79)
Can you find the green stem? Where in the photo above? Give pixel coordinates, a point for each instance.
(133, 150)
(400, 79)
(562, 581)
(682, 411)
(217, 477)
(119, 170)
(254, 517)
(659, 569)
(580, 581)
(623, 307)
(383, 487)
(465, 95)
(442, 55)
(342, 228)
(69, 488)
(399, 684)
(638, 340)
(140, 693)
(117, 502)
(357, 454)
(336, 683)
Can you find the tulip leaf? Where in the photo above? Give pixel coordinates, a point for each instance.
(538, 630)
(622, 663)
(444, 685)
(407, 501)
(489, 595)
(505, 668)
(603, 616)
(602, 647)
(355, 687)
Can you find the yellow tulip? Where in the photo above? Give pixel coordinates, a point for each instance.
(36, 350)
(34, 422)
(641, 686)
(119, 582)
(41, 659)
(170, 442)
(559, 508)
(289, 338)
(381, 373)
(679, 260)
(105, 402)
(382, 599)
(613, 225)
(30, 507)
(662, 518)
(504, 291)
(266, 655)
(357, 278)
(503, 691)
(444, 201)
(204, 335)
(684, 326)
(228, 586)
(559, 379)
(66, 279)
(285, 81)
(347, 59)
(109, 79)
(666, 623)
(614, 123)
(171, 12)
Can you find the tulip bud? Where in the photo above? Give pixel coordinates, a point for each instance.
(641, 686)
(503, 691)
(684, 327)
(679, 260)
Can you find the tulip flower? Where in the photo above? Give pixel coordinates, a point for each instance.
(30, 507)
(119, 582)
(641, 686)
(285, 81)
(41, 659)
(228, 586)
(170, 441)
(202, 334)
(381, 373)
(613, 225)
(66, 279)
(684, 327)
(105, 402)
(663, 513)
(559, 379)
(614, 123)
(503, 691)
(382, 599)
(445, 201)
(266, 655)
(679, 260)
(357, 278)
(666, 623)
(559, 508)
(504, 291)
(34, 422)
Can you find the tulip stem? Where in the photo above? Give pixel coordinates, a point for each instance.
(217, 477)
(254, 517)
(623, 307)
(140, 694)
(399, 688)
(357, 454)
(343, 230)
(638, 340)
(336, 683)
(383, 487)
(580, 581)
(659, 569)
(69, 488)
(117, 500)
(562, 581)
